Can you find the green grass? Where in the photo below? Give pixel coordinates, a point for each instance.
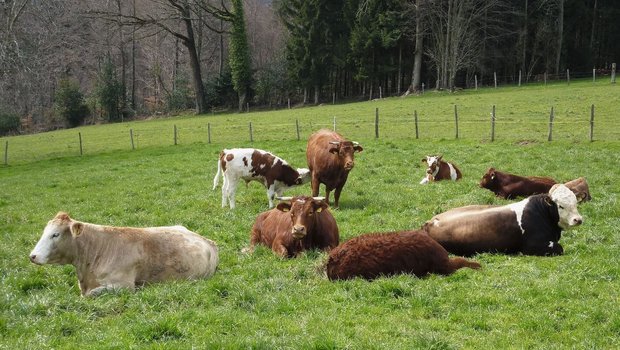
(263, 302)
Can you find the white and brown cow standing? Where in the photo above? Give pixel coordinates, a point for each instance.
(532, 226)
(252, 164)
(330, 159)
(107, 257)
(296, 224)
(438, 169)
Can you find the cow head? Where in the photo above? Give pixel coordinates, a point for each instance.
(488, 179)
(56, 245)
(433, 164)
(345, 151)
(566, 202)
(302, 210)
(304, 176)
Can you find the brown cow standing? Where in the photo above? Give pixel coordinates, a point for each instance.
(509, 186)
(330, 158)
(383, 254)
(292, 227)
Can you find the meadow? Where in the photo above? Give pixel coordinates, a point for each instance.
(260, 301)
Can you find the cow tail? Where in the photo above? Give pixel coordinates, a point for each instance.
(216, 179)
(458, 262)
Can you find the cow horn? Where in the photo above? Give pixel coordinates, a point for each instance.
(334, 142)
(284, 198)
(355, 143)
(318, 198)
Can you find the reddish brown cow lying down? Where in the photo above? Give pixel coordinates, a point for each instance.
(292, 227)
(509, 186)
(383, 254)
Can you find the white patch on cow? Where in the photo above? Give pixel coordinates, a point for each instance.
(550, 244)
(430, 160)
(518, 209)
(51, 235)
(262, 166)
(302, 201)
(435, 222)
(424, 180)
(452, 171)
(566, 202)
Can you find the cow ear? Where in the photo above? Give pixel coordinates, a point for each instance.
(319, 205)
(358, 148)
(76, 228)
(439, 157)
(284, 206)
(548, 201)
(424, 160)
(492, 175)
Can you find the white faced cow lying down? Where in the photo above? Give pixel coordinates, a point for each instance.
(438, 169)
(532, 226)
(107, 257)
(252, 164)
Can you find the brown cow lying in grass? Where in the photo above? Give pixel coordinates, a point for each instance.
(297, 224)
(383, 254)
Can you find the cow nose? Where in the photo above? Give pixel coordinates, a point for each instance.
(349, 165)
(33, 257)
(299, 230)
(577, 221)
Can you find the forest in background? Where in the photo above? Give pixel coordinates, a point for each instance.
(67, 62)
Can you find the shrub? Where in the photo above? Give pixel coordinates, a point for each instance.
(9, 123)
(70, 103)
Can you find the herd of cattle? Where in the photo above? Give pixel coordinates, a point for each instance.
(107, 257)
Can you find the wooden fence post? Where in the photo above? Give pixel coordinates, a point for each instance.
(376, 123)
(209, 131)
(495, 78)
(247, 107)
(551, 116)
(567, 77)
(593, 75)
(334, 123)
(297, 127)
(131, 137)
(289, 103)
(415, 117)
(380, 92)
(80, 136)
(613, 73)
(476, 81)
(493, 124)
(456, 121)
(251, 136)
(6, 153)
(519, 77)
(175, 135)
(592, 123)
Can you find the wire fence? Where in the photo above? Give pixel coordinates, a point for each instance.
(409, 120)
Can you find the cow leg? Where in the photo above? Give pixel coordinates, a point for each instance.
(271, 193)
(337, 195)
(232, 191)
(540, 247)
(279, 249)
(315, 185)
(111, 287)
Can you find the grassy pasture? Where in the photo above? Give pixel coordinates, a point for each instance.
(263, 302)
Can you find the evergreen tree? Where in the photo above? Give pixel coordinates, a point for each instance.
(240, 62)
(69, 102)
(109, 91)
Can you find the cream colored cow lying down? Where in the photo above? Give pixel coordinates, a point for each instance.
(107, 257)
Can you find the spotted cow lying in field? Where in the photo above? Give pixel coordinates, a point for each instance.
(384, 254)
(438, 169)
(251, 164)
(107, 257)
(532, 226)
(296, 224)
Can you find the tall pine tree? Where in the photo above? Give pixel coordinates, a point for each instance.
(240, 63)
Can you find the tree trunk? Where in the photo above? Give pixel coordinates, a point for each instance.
(316, 94)
(220, 67)
(417, 60)
(190, 43)
(400, 68)
(560, 36)
(524, 38)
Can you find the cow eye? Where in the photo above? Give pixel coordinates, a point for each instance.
(561, 207)
(55, 234)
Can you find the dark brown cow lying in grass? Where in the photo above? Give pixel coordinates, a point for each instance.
(384, 254)
(297, 224)
(532, 226)
(509, 186)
